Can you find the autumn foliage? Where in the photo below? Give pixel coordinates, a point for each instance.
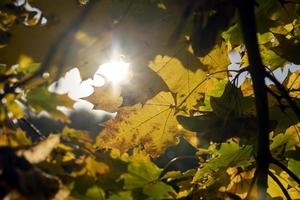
(209, 99)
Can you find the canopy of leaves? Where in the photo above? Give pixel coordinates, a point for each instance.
(188, 96)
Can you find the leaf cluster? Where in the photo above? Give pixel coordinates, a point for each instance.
(187, 98)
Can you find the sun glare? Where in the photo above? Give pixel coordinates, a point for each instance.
(114, 71)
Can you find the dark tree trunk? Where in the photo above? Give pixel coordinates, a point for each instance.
(257, 71)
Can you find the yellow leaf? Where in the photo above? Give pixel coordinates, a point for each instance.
(186, 84)
(84, 38)
(106, 98)
(217, 59)
(239, 181)
(13, 138)
(24, 61)
(247, 88)
(294, 193)
(273, 188)
(153, 125)
(13, 107)
(22, 138)
(95, 167)
(294, 84)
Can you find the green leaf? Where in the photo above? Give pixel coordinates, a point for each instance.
(279, 140)
(233, 35)
(144, 174)
(294, 166)
(158, 190)
(13, 107)
(266, 38)
(40, 99)
(271, 59)
(231, 116)
(229, 155)
(79, 138)
(124, 195)
(95, 193)
(141, 171)
(284, 119)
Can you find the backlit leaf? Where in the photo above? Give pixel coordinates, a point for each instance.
(142, 173)
(229, 155)
(153, 125)
(41, 99)
(106, 98)
(293, 165)
(126, 195)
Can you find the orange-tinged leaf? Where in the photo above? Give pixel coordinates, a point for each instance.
(95, 167)
(153, 125)
(106, 97)
(239, 181)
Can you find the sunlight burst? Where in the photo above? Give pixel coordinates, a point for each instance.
(114, 71)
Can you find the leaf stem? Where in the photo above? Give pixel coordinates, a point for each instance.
(40, 135)
(285, 192)
(287, 170)
(173, 160)
(285, 94)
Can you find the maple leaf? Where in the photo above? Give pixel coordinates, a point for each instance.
(106, 97)
(142, 173)
(153, 125)
(40, 99)
(230, 154)
(185, 84)
(231, 116)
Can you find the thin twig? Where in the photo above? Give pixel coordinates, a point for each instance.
(172, 161)
(34, 128)
(285, 192)
(282, 2)
(235, 79)
(284, 94)
(287, 170)
(278, 98)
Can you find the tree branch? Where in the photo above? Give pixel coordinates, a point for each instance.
(284, 94)
(285, 192)
(54, 48)
(257, 72)
(287, 170)
(34, 129)
(175, 160)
